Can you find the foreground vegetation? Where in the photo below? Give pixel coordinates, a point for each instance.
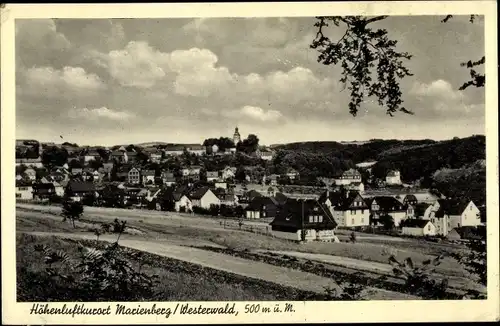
(150, 277)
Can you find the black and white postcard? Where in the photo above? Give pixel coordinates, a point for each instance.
(249, 162)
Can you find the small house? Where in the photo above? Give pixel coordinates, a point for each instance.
(418, 227)
(212, 176)
(261, 207)
(148, 176)
(78, 190)
(24, 190)
(203, 197)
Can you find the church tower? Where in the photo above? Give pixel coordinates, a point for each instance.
(236, 136)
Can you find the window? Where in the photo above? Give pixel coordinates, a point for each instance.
(429, 228)
(352, 221)
(353, 211)
(320, 218)
(315, 219)
(310, 218)
(18, 195)
(362, 211)
(362, 220)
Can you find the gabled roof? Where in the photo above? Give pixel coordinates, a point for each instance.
(295, 214)
(410, 198)
(252, 194)
(414, 223)
(170, 193)
(198, 193)
(258, 203)
(451, 207)
(117, 153)
(388, 203)
(343, 200)
(212, 174)
(280, 198)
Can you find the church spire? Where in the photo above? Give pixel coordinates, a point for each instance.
(236, 136)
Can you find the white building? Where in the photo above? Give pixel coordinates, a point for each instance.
(419, 228)
(393, 178)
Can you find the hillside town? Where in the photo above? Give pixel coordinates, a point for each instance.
(232, 177)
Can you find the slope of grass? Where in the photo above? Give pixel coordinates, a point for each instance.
(178, 281)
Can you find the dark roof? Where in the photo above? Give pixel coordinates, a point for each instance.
(388, 204)
(451, 207)
(295, 213)
(410, 198)
(414, 223)
(148, 172)
(43, 187)
(259, 202)
(174, 148)
(342, 200)
(170, 193)
(280, 198)
(23, 183)
(78, 186)
(252, 194)
(199, 193)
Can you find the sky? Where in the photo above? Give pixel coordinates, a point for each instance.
(121, 81)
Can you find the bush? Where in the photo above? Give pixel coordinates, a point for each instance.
(418, 280)
(93, 275)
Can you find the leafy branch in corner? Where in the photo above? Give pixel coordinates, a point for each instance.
(477, 79)
(361, 53)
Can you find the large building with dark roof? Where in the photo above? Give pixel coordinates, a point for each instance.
(304, 220)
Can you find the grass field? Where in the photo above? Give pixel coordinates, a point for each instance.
(182, 232)
(178, 281)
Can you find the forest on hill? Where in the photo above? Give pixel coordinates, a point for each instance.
(417, 160)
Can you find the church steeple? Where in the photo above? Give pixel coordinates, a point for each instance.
(236, 136)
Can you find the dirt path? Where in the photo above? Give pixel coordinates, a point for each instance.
(236, 265)
(369, 266)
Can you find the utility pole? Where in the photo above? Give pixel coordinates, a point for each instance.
(303, 232)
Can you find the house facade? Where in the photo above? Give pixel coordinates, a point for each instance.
(196, 149)
(349, 176)
(449, 214)
(168, 178)
(134, 176)
(173, 150)
(24, 191)
(212, 176)
(228, 173)
(381, 205)
(418, 228)
(148, 176)
(204, 198)
(348, 208)
(393, 178)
